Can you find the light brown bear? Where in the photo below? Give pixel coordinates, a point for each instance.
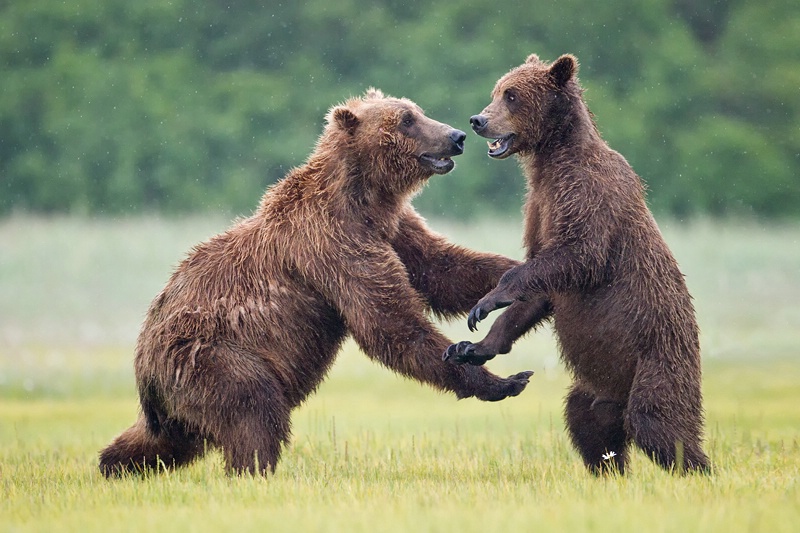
(250, 322)
(598, 265)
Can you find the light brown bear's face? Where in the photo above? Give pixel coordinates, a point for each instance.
(396, 136)
(524, 103)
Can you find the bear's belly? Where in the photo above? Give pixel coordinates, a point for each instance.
(301, 345)
(597, 344)
(290, 336)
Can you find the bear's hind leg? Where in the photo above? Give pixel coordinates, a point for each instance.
(138, 449)
(663, 443)
(662, 423)
(253, 438)
(250, 420)
(596, 427)
(239, 404)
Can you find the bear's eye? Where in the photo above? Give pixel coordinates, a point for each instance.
(408, 121)
(510, 96)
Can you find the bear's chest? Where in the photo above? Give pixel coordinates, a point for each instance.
(538, 225)
(383, 228)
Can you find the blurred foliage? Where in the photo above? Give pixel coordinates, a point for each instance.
(117, 106)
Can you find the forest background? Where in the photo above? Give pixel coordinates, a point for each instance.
(120, 107)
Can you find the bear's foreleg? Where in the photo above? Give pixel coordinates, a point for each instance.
(451, 278)
(387, 318)
(560, 268)
(516, 321)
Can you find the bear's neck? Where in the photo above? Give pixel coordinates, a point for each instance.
(370, 193)
(349, 189)
(575, 127)
(371, 186)
(572, 135)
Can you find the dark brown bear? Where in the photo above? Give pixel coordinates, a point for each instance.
(251, 321)
(598, 265)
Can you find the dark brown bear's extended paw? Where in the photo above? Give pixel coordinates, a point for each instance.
(486, 305)
(466, 352)
(504, 388)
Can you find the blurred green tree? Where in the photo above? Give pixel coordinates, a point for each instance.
(119, 107)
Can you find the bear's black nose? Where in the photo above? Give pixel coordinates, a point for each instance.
(478, 123)
(458, 136)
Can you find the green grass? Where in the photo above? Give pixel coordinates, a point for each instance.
(371, 451)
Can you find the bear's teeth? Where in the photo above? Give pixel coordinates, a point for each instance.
(494, 145)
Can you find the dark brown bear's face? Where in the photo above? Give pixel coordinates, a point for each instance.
(524, 104)
(395, 136)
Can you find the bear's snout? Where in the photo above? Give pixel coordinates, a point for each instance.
(478, 123)
(458, 137)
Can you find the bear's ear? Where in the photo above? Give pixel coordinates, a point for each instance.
(533, 58)
(345, 119)
(564, 69)
(372, 92)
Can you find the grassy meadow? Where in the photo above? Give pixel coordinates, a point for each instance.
(372, 451)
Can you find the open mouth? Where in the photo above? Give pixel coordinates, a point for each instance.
(500, 147)
(438, 165)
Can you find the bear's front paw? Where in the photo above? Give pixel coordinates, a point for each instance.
(511, 386)
(467, 352)
(486, 305)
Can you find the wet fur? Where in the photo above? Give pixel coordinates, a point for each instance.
(597, 265)
(251, 321)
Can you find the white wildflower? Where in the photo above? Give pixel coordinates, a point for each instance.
(609, 455)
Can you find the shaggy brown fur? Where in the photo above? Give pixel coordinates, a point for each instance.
(596, 263)
(249, 324)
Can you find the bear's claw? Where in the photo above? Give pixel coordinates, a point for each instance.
(466, 352)
(476, 315)
(486, 305)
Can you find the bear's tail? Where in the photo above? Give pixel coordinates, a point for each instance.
(138, 449)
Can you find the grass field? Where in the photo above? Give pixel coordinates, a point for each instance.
(371, 451)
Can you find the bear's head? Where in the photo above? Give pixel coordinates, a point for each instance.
(528, 104)
(391, 138)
